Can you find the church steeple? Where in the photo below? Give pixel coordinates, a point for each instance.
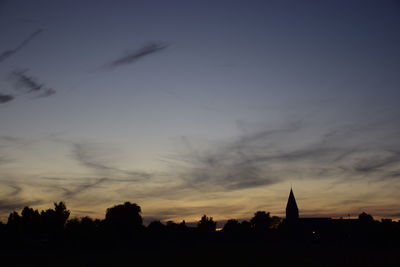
(292, 212)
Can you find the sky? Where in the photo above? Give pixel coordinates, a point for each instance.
(200, 107)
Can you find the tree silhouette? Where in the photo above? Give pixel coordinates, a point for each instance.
(275, 222)
(122, 230)
(2, 228)
(206, 224)
(245, 226)
(156, 227)
(261, 221)
(14, 223)
(124, 217)
(30, 221)
(82, 229)
(171, 225)
(182, 225)
(365, 218)
(55, 219)
(232, 226)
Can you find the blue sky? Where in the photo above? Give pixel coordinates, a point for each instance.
(241, 100)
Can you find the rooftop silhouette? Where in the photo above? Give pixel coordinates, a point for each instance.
(292, 211)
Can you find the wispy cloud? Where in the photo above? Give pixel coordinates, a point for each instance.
(89, 155)
(8, 205)
(82, 187)
(377, 162)
(230, 165)
(261, 158)
(4, 98)
(10, 52)
(46, 92)
(270, 156)
(15, 188)
(11, 199)
(74, 187)
(132, 57)
(29, 84)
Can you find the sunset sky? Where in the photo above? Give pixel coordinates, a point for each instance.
(200, 107)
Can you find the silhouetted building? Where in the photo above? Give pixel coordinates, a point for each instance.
(312, 225)
(292, 212)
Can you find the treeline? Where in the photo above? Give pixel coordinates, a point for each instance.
(123, 228)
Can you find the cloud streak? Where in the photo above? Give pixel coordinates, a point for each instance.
(367, 152)
(8, 205)
(88, 155)
(11, 52)
(29, 84)
(82, 187)
(270, 156)
(132, 57)
(4, 98)
(12, 200)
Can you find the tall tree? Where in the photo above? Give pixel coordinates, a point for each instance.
(261, 221)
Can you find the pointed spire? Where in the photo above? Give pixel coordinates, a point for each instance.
(292, 212)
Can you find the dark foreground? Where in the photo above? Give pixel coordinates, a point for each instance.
(49, 238)
(301, 257)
